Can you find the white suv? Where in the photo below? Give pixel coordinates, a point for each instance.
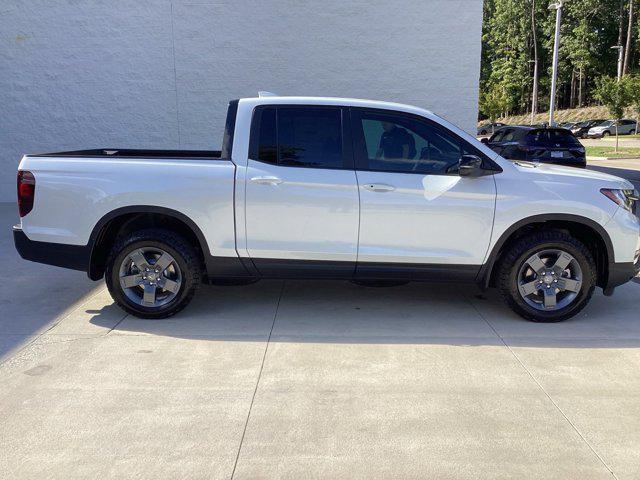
(625, 127)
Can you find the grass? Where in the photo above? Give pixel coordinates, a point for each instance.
(569, 115)
(610, 152)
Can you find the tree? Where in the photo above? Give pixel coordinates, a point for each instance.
(615, 95)
(633, 85)
(493, 103)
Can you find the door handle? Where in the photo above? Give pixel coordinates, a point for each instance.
(378, 187)
(266, 180)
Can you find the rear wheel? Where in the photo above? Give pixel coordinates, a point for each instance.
(547, 277)
(152, 273)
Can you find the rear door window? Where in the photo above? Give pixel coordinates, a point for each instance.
(562, 138)
(298, 136)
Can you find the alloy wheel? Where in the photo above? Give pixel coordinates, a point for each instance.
(550, 280)
(150, 277)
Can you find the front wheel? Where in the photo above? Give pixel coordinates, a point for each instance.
(547, 276)
(152, 273)
(605, 134)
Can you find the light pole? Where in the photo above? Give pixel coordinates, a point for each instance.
(557, 6)
(620, 49)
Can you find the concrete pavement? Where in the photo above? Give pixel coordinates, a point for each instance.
(313, 380)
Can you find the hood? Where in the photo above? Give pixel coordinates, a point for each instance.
(572, 174)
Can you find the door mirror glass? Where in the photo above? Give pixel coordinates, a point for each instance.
(470, 166)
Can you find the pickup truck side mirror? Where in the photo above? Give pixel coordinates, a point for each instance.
(484, 140)
(470, 166)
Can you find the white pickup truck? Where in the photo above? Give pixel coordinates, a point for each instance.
(329, 188)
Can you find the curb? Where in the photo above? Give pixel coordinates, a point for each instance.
(612, 158)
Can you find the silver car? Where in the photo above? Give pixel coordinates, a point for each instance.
(625, 127)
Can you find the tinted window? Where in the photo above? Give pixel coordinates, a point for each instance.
(310, 137)
(400, 143)
(497, 136)
(298, 136)
(537, 138)
(563, 137)
(510, 136)
(267, 144)
(549, 138)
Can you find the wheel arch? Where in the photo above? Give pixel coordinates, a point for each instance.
(591, 233)
(125, 219)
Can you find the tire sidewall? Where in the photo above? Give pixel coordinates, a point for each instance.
(588, 283)
(112, 277)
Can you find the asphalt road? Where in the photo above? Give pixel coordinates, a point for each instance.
(629, 168)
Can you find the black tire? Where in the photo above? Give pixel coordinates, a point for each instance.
(605, 133)
(180, 249)
(517, 254)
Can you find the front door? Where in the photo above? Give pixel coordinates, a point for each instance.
(301, 193)
(417, 215)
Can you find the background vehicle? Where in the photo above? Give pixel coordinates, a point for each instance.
(310, 187)
(581, 129)
(625, 127)
(490, 128)
(548, 145)
(567, 125)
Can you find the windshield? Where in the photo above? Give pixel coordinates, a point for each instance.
(584, 124)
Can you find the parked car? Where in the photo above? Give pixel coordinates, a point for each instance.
(490, 128)
(567, 125)
(547, 145)
(581, 129)
(625, 127)
(309, 187)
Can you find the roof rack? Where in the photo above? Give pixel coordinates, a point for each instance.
(262, 94)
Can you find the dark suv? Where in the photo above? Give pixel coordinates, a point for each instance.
(548, 145)
(580, 129)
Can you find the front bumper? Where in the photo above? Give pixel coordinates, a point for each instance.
(75, 257)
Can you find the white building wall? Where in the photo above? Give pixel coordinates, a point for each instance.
(159, 73)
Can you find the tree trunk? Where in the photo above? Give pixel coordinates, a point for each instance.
(572, 94)
(580, 99)
(616, 137)
(627, 50)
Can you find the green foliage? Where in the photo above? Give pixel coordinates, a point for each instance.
(493, 102)
(613, 94)
(589, 30)
(633, 86)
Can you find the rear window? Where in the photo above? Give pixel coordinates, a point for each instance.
(298, 136)
(548, 138)
(563, 137)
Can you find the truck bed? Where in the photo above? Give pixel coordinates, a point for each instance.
(137, 153)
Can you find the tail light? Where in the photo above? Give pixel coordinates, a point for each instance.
(26, 191)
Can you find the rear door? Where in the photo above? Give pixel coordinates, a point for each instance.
(418, 217)
(301, 192)
(626, 127)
